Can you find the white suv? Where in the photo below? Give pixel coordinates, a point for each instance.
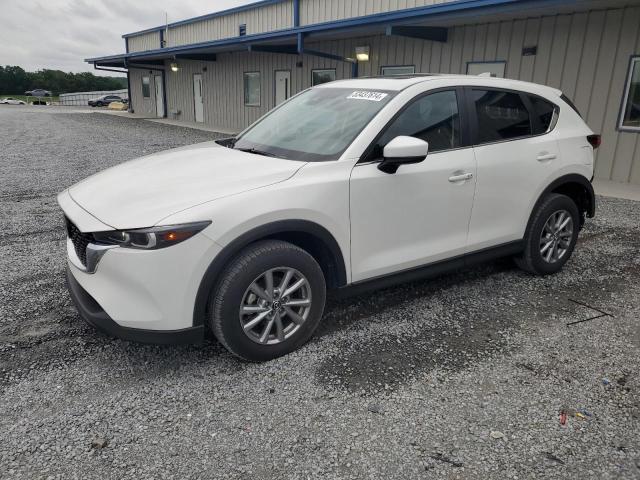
(352, 184)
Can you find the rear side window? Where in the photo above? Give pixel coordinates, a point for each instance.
(433, 118)
(545, 112)
(501, 116)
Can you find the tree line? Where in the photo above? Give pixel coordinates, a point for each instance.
(15, 81)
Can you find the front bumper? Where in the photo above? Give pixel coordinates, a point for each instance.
(95, 316)
(148, 291)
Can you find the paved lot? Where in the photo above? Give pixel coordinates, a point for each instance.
(461, 377)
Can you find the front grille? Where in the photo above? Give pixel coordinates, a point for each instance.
(80, 240)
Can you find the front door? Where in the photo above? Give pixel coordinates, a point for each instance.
(159, 96)
(198, 104)
(283, 86)
(420, 214)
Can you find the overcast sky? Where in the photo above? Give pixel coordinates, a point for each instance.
(60, 34)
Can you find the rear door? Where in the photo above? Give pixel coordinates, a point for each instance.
(517, 152)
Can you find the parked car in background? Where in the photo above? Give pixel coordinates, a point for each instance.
(12, 101)
(38, 92)
(349, 185)
(106, 100)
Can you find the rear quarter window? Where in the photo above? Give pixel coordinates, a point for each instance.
(546, 113)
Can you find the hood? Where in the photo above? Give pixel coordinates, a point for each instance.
(140, 193)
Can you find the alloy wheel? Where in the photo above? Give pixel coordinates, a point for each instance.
(556, 236)
(275, 306)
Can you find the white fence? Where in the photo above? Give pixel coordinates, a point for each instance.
(81, 98)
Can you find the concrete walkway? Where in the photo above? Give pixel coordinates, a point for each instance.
(197, 126)
(168, 121)
(607, 188)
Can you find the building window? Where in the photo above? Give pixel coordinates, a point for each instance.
(146, 89)
(318, 77)
(495, 69)
(630, 115)
(399, 70)
(252, 89)
(243, 30)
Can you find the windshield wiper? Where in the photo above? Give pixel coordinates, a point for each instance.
(257, 152)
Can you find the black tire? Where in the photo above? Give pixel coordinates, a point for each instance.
(242, 271)
(99, 104)
(532, 260)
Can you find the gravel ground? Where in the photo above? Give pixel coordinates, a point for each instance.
(461, 377)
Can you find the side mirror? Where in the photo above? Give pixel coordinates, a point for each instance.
(403, 151)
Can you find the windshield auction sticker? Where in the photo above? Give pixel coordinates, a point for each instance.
(371, 96)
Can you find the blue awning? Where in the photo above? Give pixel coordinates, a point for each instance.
(358, 26)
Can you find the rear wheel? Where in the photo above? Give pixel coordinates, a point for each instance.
(551, 236)
(268, 302)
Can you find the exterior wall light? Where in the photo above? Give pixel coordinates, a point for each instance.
(362, 54)
(174, 67)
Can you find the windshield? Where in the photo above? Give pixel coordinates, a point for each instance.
(317, 125)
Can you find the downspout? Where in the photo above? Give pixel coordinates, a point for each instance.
(164, 92)
(164, 70)
(296, 13)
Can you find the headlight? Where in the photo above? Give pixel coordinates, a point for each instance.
(150, 238)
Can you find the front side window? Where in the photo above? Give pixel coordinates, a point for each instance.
(630, 117)
(433, 118)
(317, 125)
(501, 116)
(252, 89)
(318, 77)
(146, 90)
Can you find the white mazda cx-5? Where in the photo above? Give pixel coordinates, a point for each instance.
(349, 185)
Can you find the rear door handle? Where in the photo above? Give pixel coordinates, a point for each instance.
(545, 157)
(460, 177)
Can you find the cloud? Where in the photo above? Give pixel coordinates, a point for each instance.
(60, 34)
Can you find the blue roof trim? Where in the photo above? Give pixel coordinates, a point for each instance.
(461, 6)
(221, 13)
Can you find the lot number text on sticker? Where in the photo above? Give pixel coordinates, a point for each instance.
(371, 96)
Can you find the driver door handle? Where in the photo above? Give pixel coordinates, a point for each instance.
(460, 177)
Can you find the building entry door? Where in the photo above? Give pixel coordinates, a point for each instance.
(198, 104)
(159, 96)
(283, 86)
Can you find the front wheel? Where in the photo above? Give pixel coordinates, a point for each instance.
(551, 236)
(268, 302)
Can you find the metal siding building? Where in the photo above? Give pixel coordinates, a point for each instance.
(583, 47)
